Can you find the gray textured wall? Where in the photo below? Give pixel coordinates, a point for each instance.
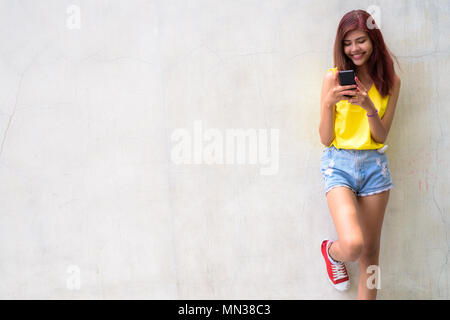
(95, 204)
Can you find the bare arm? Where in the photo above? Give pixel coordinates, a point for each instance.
(327, 113)
(379, 128)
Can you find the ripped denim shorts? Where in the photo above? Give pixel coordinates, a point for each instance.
(366, 172)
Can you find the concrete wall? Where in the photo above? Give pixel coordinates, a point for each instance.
(99, 199)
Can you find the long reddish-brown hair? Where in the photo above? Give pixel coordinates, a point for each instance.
(380, 64)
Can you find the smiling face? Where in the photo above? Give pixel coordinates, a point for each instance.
(357, 47)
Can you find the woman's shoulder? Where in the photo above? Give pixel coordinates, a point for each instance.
(329, 75)
(396, 86)
(334, 69)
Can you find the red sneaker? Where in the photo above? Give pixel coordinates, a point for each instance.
(337, 272)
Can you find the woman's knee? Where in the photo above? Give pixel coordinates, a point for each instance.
(352, 247)
(370, 251)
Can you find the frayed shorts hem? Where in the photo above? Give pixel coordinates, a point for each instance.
(376, 191)
(339, 185)
(361, 194)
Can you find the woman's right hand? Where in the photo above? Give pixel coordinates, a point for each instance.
(337, 92)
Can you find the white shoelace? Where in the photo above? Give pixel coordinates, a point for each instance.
(338, 271)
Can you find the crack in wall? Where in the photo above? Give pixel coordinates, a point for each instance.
(13, 113)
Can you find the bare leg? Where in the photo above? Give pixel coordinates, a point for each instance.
(344, 211)
(372, 209)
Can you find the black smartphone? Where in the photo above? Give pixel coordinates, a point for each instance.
(346, 78)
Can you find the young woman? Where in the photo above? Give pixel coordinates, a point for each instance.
(354, 166)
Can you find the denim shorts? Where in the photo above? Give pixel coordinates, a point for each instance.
(366, 172)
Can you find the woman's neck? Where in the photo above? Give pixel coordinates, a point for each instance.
(362, 73)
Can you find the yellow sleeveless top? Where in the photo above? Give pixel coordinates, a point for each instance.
(351, 125)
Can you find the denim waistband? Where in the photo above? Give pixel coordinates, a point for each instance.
(358, 151)
(361, 151)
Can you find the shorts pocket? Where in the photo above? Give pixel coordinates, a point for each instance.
(326, 152)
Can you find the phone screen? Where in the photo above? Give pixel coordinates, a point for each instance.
(347, 77)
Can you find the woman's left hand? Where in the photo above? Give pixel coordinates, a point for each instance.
(362, 98)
